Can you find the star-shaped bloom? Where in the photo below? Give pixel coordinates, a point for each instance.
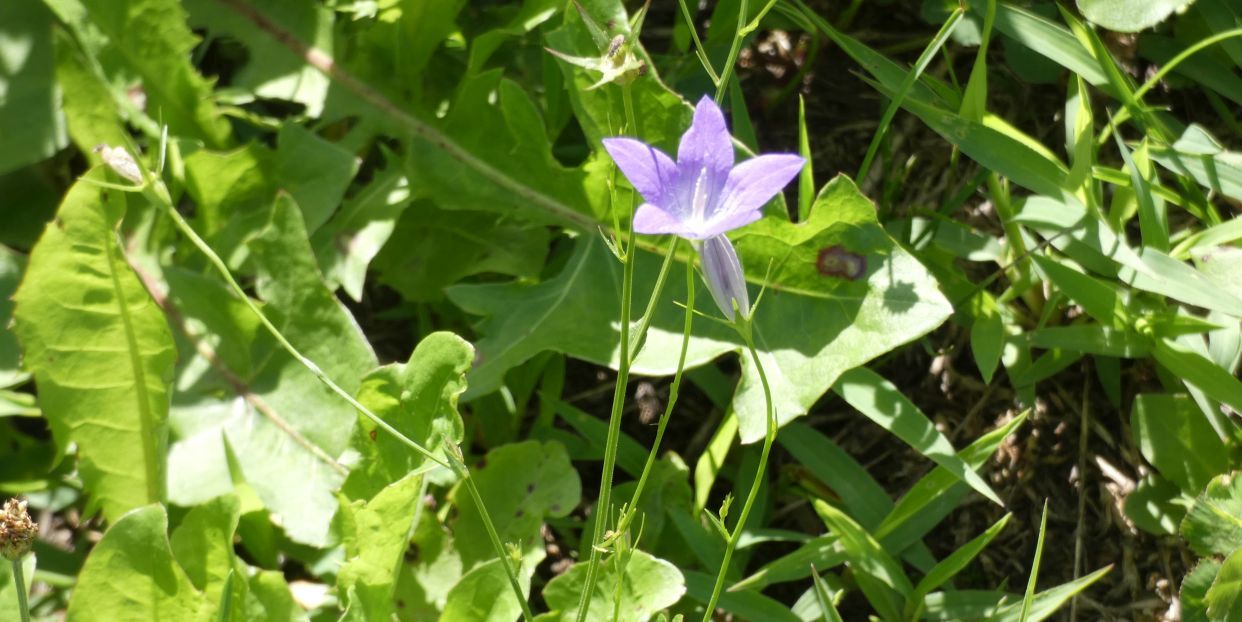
(703, 195)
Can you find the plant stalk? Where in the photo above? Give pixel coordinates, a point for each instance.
(768, 438)
(19, 582)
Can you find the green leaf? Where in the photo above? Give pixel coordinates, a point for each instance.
(647, 585)
(99, 348)
(520, 484)
(131, 576)
(271, 70)
(1214, 524)
(283, 427)
(824, 598)
(485, 595)
(1091, 339)
(885, 404)
(314, 171)
(459, 243)
(203, 546)
(1195, 369)
(1224, 598)
(377, 537)
(879, 576)
(1194, 590)
(347, 244)
(969, 605)
(987, 338)
(912, 506)
(501, 167)
(1175, 437)
(419, 399)
(91, 112)
(948, 568)
(271, 599)
(153, 39)
(31, 120)
(1129, 15)
(1157, 505)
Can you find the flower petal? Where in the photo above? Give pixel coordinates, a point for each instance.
(706, 146)
(723, 273)
(651, 172)
(722, 224)
(651, 219)
(754, 182)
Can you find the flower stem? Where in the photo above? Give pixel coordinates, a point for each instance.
(673, 392)
(603, 503)
(768, 438)
(727, 71)
(19, 582)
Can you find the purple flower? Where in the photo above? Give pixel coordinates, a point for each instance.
(703, 195)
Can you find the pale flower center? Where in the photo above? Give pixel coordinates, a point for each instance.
(698, 201)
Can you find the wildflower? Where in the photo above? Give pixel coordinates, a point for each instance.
(17, 532)
(703, 195)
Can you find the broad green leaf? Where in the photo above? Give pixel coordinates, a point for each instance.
(1100, 300)
(131, 576)
(1214, 524)
(91, 112)
(885, 404)
(377, 535)
(458, 243)
(8, 591)
(520, 484)
(1177, 440)
(100, 350)
(31, 121)
(848, 321)
(347, 244)
(746, 605)
(272, 71)
(203, 546)
(1157, 505)
(1224, 598)
(1222, 266)
(500, 166)
(1129, 15)
(1196, 370)
(270, 599)
(314, 171)
(647, 585)
(485, 595)
(1220, 173)
(154, 41)
(283, 427)
(987, 337)
(1194, 590)
(419, 399)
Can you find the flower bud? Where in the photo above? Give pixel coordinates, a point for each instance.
(723, 273)
(17, 532)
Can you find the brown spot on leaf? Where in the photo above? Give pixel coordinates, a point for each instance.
(838, 262)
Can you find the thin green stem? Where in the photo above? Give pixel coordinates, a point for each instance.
(673, 392)
(494, 536)
(19, 582)
(768, 438)
(604, 502)
(1182, 56)
(698, 45)
(734, 49)
(645, 321)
